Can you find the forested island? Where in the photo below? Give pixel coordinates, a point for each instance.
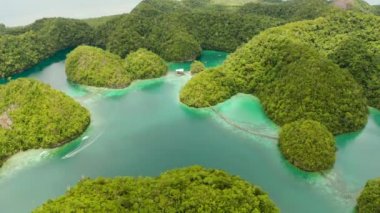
(192, 189)
(314, 65)
(197, 67)
(34, 116)
(308, 145)
(95, 67)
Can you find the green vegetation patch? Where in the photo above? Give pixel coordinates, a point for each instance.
(376, 9)
(144, 64)
(24, 47)
(363, 63)
(197, 67)
(192, 189)
(96, 22)
(351, 40)
(293, 10)
(304, 85)
(305, 70)
(33, 115)
(179, 30)
(292, 80)
(233, 2)
(175, 30)
(95, 67)
(205, 89)
(308, 145)
(369, 199)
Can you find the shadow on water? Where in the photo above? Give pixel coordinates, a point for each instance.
(376, 116)
(344, 140)
(209, 58)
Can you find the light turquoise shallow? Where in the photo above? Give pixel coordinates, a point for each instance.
(145, 130)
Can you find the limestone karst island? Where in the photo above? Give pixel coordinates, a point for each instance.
(230, 106)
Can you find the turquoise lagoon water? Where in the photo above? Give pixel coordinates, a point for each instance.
(144, 130)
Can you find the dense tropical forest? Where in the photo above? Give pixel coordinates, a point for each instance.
(197, 67)
(308, 145)
(95, 67)
(24, 47)
(369, 199)
(314, 65)
(377, 9)
(326, 70)
(192, 189)
(175, 30)
(34, 115)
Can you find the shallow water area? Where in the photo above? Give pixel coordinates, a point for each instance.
(144, 130)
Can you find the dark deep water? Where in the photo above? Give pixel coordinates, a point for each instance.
(144, 130)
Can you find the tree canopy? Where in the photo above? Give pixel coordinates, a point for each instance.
(369, 199)
(34, 115)
(291, 69)
(308, 145)
(144, 64)
(304, 85)
(355, 55)
(291, 10)
(205, 89)
(192, 189)
(95, 67)
(197, 67)
(178, 30)
(175, 30)
(312, 77)
(24, 47)
(376, 9)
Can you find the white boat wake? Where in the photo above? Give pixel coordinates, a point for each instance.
(85, 138)
(81, 148)
(22, 160)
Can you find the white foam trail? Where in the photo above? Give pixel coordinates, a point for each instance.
(44, 154)
(81, 148)
(333, 184)
(22, 160)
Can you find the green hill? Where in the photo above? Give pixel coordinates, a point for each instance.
(192, 189)
(33, 115)
(95, 67)
(308, 145)
(24, 47)
(324, 70)
(233, 2)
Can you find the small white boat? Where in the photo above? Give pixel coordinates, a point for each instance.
(180, 71)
